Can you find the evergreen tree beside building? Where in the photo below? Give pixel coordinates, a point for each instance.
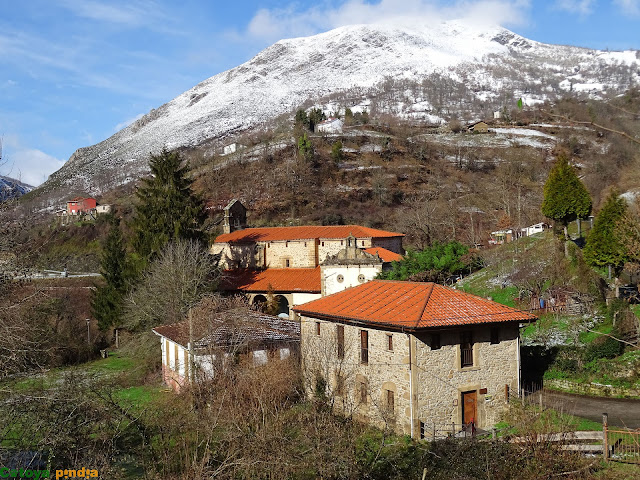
(565, 197)
(107, 300)
(167, 208)
(605, 246)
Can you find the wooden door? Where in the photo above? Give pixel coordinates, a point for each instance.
(469, 407)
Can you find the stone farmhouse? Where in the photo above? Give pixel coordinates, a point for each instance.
(299, 264)
(246, 336)
(412, 356)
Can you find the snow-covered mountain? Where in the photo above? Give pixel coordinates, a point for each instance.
(11, 188)
(432, 72)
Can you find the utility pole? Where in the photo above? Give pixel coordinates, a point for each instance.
(88, 331)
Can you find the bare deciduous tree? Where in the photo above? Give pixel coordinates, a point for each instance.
(173, 283)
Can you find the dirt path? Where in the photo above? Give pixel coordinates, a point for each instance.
(622, 412)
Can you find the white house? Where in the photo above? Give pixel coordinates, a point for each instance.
(252, 336)
(231, 148)
(533, 229)
(331, 125)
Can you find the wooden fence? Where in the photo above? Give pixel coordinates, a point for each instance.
(620, 445)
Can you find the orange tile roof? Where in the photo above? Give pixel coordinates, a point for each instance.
(410, 306)
(267, 234)
(280, 279)
(384, 254)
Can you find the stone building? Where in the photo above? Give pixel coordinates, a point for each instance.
(412, 356)
(299, 264)
(296, 247)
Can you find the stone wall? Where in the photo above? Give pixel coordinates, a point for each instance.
(236, 256)
(592, 388)
(437, 377)
(386, 370)
(300, 253)
(441, 380)
(393, 244)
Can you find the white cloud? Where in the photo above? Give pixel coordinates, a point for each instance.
(130, 14)
(630, 7)
(581, 7)
(127, 122)
(275, 24)
(29, 165)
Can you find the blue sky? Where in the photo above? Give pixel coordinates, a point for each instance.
(73, 72)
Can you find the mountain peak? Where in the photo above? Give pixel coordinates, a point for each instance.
(450, 68)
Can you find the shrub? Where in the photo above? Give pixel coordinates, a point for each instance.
(603, 347)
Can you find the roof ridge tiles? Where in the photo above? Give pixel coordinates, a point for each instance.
(424, 305)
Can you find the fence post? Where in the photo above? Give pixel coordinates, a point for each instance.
(494, 433)
(605, 439)
(506, 392)
(453, 428)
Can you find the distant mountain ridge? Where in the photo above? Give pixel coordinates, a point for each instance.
(448, 69)
(12, 188)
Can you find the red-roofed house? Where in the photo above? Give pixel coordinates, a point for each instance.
(413, 356)
(299, 264)
(80, 205)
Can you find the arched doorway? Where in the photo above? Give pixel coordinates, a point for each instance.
(283, 304)
(259, 303)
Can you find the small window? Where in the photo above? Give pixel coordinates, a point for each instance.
(305, 244)
(340, 278)
(422, 430)
(287, 262)
(435, 341)
(390, 401)
(286, 244)
(364, 347)
(362, 392)
(323, 244)
(361, 278)
(318, 328)
(389, 341)
(466, 350)
(340, 340)
(341, 242)
(495, 335)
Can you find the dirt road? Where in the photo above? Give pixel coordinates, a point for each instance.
(622, 412)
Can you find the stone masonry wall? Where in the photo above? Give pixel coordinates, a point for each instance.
(393, 244)
(386, 370)
(441, 380)
(301, 253)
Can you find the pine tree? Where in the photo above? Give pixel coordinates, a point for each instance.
(167, 208)
(565, 197)
(604, 245)
(305, 148)
(107, 299)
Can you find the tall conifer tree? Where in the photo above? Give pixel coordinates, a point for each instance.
(107, 299)
(565, 196)
(167, 208)
(604, 244)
